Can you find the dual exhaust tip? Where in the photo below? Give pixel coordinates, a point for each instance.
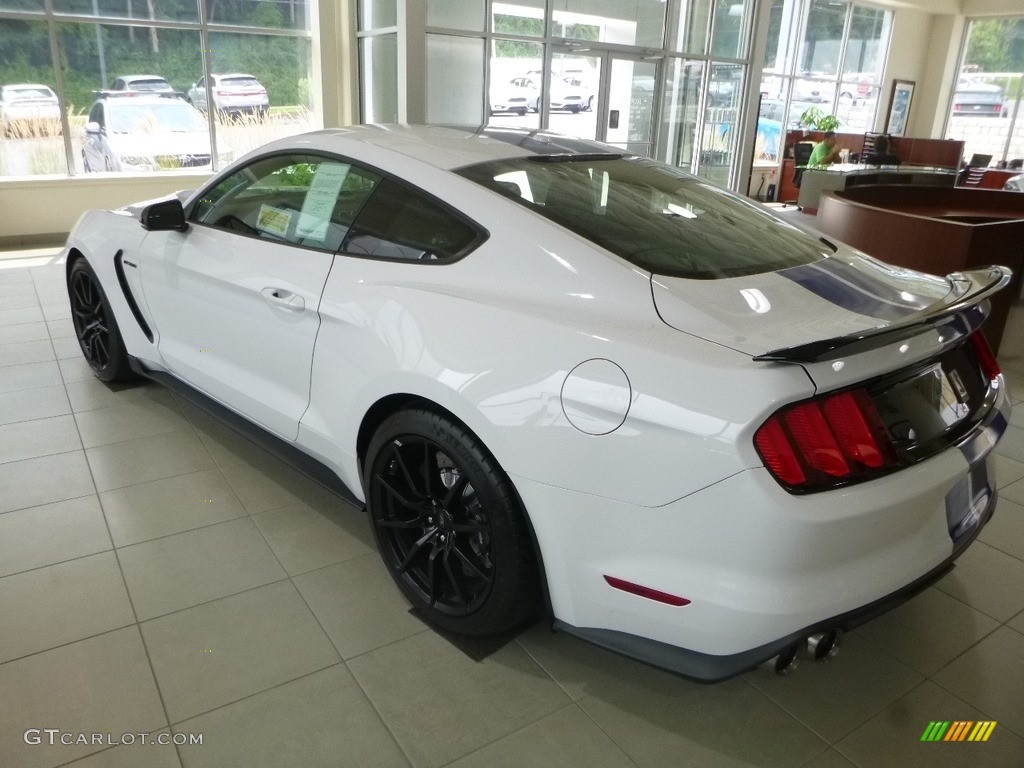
(821, 646)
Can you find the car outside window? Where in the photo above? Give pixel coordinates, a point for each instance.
(404, 224)
(652, 215)
(304, 200)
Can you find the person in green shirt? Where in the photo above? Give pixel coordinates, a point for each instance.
(825, 152)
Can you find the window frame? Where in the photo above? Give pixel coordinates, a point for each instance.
(481, 233)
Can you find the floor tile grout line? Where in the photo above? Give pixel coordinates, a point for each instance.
(178, 723)
(58, 562)
(573, 699)
(81, 760)
(572, 704)
(57, 647)
(291, 579)
(48, 503)
(128, 593)
(927, 675)
(806, 726)
(341, 655)
(212, 600)
(5, 462)
(202, 527)
(874, 712)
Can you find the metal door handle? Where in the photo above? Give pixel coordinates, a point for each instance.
(280, 297)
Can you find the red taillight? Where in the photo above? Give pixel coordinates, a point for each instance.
(777, 453)
(989, 366)
(825, 442)
(814, 439)
(857, 427)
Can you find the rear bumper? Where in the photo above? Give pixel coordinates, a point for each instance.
(709, 668)
(760, 567)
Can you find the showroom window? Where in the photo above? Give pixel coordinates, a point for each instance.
(704, 88)
(821, 54)
(243, 71)
(985, 106)
(378, 60)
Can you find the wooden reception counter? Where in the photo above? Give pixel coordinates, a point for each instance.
(840, 176)
(933, 229)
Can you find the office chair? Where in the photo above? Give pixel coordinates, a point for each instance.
(801, 155)
(869, 144)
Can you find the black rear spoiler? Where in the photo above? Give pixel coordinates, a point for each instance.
(965, 306)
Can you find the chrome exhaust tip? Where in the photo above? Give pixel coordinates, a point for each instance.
(787, 661)
(824, 646)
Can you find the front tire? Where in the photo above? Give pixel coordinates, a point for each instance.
(95, 327)
(449, 525)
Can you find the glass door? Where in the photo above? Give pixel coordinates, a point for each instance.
(573, 89)
(628, 118)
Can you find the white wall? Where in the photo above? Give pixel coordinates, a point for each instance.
(925, 49)
(34, 211)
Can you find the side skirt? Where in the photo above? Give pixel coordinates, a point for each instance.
(289, 454)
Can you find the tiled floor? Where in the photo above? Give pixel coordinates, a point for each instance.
(160, 575)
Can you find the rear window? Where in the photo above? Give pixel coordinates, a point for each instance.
(30, 93)
(240, 82)
(652, 215)
(149, 85)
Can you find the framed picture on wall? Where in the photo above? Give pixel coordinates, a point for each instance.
(899, 107)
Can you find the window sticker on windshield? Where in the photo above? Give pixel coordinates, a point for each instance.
(320, 199)
(273, 220)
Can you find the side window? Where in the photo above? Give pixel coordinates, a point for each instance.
(96, 114)
(404, 224)
(299, 199)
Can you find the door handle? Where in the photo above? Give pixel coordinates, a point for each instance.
(280, 297)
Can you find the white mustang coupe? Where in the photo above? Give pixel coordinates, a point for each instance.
(571, 382)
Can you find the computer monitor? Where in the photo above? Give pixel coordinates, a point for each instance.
(979, 160)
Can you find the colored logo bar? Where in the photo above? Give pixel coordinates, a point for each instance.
(958, 730)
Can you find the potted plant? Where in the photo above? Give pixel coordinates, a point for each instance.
(813, 119)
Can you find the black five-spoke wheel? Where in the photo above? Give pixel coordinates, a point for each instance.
(94, 324)
(448, 525)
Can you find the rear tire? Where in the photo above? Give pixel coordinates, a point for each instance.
(449, 525)
(95, 326)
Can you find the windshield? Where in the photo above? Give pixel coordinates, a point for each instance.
(172, 116)
(654, 216)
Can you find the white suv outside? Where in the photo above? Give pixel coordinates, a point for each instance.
(233, 94)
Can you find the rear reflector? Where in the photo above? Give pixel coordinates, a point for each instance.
(650, 594)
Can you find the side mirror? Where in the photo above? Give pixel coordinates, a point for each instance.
(166, 215)
(92, 127)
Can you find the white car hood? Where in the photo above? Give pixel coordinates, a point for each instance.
(836, 296)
